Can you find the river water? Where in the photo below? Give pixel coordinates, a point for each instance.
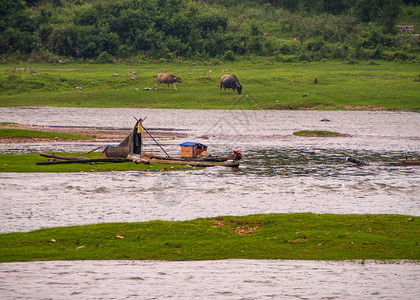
(223, 279)
(280, 173)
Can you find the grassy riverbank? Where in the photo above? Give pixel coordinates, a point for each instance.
(318, 133)
(267, 85)
(14, 132)
(22, 134)
(273, 236)
(26, 163)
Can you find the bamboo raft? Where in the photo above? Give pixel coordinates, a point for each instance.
(196, 163)
(60, 159)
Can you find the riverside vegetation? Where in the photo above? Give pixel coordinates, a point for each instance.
(26, 163)
(22, 134)
(109, 31)
(318, 133)
(272, 236)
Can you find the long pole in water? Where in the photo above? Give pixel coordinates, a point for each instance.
(151, 135)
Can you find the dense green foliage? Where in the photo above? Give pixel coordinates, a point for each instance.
(273, 236)
(108, 31)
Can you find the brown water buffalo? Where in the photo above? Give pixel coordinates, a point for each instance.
(230, 82)
(167, 78)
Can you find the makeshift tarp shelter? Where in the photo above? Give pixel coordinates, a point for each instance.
(132, 144)
(191, 149)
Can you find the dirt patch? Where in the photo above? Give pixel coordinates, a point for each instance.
(246, 228)
(218, 222)
(238, 226)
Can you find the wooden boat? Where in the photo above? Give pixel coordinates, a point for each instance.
(400, 162)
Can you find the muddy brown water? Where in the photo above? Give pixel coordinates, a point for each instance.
(280, 173)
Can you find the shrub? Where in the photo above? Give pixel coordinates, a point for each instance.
(104, 57)
(315, 46)
(14, 40)
(229, 55)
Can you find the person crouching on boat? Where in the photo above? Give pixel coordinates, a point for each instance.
(237, 155)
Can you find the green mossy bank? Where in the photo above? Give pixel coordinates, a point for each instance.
(319, 133)
(21, 134)
(26, 163)
(272, 236)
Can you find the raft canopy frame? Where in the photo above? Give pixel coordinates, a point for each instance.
(132, 144)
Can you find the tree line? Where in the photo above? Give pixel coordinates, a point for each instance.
(284, 30)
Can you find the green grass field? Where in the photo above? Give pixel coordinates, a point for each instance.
(8, 133)
(321, 85)
(273, 236)
(26, 163)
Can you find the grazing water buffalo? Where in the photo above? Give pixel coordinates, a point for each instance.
(230, 82)
(167, 78)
